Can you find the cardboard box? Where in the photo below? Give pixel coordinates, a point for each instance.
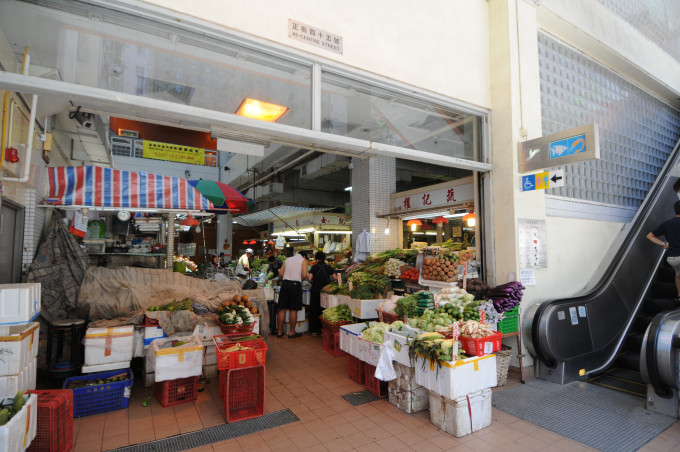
(19, 303)
(109, 345)
(23, 381)
(170, 363)
(458, 378)
(463, 415)
(18, 347)
(17, 434)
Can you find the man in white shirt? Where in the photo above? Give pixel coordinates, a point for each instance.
(243, 265)
(293, 272)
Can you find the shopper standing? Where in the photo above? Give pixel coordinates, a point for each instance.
(670, 230)
(294, 271)
(319, 275)
(243, 265)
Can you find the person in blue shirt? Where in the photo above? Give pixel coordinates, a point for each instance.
(670, 230)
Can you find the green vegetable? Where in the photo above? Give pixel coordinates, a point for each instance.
(340, 313)
(146, 401)
(18, 402)
(406, 306)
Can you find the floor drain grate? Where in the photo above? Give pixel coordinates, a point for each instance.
(359, 398)
(215, 434)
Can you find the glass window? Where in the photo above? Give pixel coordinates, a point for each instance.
(355, 109)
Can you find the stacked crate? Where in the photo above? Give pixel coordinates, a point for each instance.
(176, 364)
(55, 421)
(242, 380)
(108, 349)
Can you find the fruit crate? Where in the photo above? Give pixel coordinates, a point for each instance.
(387, 317)
(174, 392)
(244, 393)
(510, 323)
(355, 369)
(100, 398)
(333, 326)
(377, 387)
(228, 329)
(55, 421)
(234, 337)
(331, 342)
(481, 346)
(227, 360)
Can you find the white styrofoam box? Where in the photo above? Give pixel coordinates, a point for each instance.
(329, 301)
(300, 316)
(349, 338)
(105, 367)
(369, 352)
(170, 363)
(17, 434)
(306, 297)
(206, 333)
(138, 343)
(109, 345)
(149, 379)
(209, 356)
(300, 327)
(364, 309)
(463, 415)
(210, 370)
(256, 327)
(24, 381)
(458, 378)
(152, 332)
(400, 344)
(19, 303)
(405, 393)
(18, 347)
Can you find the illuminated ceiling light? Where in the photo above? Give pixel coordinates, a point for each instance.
(251, 108)
(245, 242)
(414, 224)
(252, 242)
(470, 219)
(189, 221)
(348, 188)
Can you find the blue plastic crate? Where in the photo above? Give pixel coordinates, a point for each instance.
(95, 399)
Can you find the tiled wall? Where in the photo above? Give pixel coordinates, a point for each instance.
(373, 181)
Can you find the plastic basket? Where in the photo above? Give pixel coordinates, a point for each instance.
(230, 329)
(355, 369)
(226, 360)
(503, 364)
(388, 318)
(235, 337)
(244, 393)
(148, 321)
(100, 398)
(510, 323)
(333, 326)
(481, 346)
(331, 342)
(377, 387)
(173, 392)
(54, 431)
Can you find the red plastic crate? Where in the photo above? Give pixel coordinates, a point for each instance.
(388, 318)
(333, 326)
(223, 381)
(174, 392)
(227, 329)
(148, 321)
(377, 387)
(479, 347)
(331, 342)
(244, 393)
(256, 356)
(355, 369)
(237, 336)
(54, 431)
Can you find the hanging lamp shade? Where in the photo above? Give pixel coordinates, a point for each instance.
(271, 242)
(189, 221)
(469, 218)
(252, 242)
(439, 219)
(245, 242)
(414, 224)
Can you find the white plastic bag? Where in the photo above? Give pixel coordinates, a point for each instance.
(385, 370)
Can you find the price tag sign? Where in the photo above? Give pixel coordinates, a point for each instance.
(456, 331)
(351, 286)
(482, 316)
(465, 275)
(436, 300)
(488, 347)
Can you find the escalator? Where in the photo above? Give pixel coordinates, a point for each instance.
(620, 331)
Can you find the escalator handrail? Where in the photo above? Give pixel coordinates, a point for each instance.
(629, 323)
(653, 338)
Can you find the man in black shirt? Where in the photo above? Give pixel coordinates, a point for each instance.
(320, 275)
(670, 229)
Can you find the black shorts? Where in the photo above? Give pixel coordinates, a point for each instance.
(290, 295)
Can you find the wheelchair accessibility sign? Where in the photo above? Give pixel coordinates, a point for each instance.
(541, 181)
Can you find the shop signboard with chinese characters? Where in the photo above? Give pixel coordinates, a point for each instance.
(445, 195)
(314, 36)
(316, 221)
(173, 152)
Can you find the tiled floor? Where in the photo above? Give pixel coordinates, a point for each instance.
(309, 381)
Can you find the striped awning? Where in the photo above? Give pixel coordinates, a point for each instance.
(94, 186)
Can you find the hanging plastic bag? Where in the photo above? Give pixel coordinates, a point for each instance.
(385, 370)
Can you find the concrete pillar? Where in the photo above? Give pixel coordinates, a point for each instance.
(373, 181)
(224, 232)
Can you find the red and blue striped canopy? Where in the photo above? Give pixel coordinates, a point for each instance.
(94, 186)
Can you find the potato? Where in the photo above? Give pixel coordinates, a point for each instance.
(236, 298)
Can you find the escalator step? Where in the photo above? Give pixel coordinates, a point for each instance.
(629, 360)
(629, 386)
(665, 274)
(663, 290)
(642, 322)
(633, 342)
(655, 305)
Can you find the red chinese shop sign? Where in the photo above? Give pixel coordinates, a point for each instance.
(440, 195)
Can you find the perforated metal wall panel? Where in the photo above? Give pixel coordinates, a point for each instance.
(637, 130)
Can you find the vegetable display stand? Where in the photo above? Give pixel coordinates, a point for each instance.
(100, 398)
(244, 393)
(331, 342)
(377, 387)
(481, 346)
(174, 392)
(388, 318)
(355, 369)
(228, 329)
(510, 324)
(55, 421)
(234, 355)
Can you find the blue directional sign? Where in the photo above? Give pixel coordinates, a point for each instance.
(561, 148)
(568, 146)
(528, 183)
(541, 181)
